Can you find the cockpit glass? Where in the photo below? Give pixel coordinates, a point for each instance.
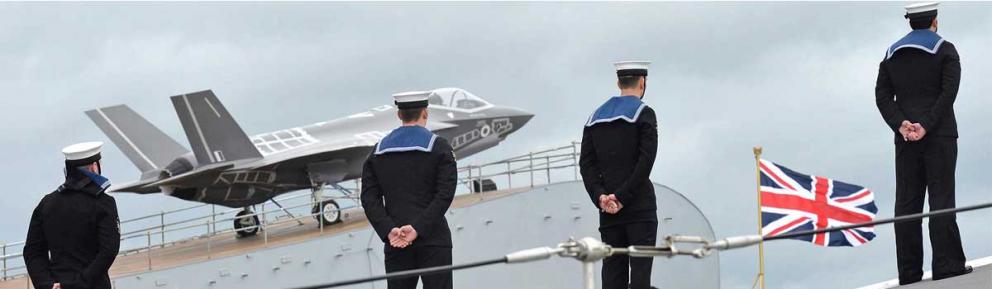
(456, 98)
(436, 100)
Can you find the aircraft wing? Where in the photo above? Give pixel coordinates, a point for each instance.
(313, 153)
(345, 149)
(136, 187)
(197, 173)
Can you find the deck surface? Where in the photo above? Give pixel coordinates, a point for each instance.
(980, 278)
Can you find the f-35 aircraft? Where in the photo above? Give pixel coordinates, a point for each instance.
(229, 168)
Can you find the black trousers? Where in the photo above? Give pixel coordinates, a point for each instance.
(926, 167)
(416, 258)
(620, 270)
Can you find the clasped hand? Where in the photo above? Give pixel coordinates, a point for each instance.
(402, 237)
(912, 131)
(609, 203)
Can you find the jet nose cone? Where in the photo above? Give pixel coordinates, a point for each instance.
(522, 114)
(518, 117)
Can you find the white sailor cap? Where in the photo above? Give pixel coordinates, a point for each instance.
(411, 99)
(82, 153)
(919, 10)
(636, 68)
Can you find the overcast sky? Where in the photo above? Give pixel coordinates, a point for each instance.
(796, 78)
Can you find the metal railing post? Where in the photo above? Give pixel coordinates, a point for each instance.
(209, 238)
(320, 219)
(531, 169)
(471, 186)
(161, 228)
(575, 163)
(4, 254)
(213, 218)
(148, 235)
(509, 176)
(358, 187)
(589, 275)
(261, 224)
(547, 165)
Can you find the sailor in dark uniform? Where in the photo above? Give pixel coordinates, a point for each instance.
(74, 234)
(917, 83)
(408, 183)
(619, 143)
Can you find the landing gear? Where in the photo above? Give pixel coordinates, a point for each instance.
(326, 210)
(331, 214)
(245, 225)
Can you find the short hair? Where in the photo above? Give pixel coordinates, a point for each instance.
(629, 81)
(411, 114)
(922, 22)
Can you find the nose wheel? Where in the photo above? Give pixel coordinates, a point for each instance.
(331, 212)
(246, 224)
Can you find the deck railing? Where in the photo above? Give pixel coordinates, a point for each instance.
(142, 234)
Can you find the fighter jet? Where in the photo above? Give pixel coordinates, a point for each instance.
(229, 168)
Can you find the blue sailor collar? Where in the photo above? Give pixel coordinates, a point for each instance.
(922, 39)
(407, 138)
(627, 108)
(97, 179)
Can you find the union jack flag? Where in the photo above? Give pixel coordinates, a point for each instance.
(794, 202)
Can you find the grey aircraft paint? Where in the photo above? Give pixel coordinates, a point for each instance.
(230, 168)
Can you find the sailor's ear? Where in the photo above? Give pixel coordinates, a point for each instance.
(423, 114)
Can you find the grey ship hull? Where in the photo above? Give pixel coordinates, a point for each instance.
(490, 228)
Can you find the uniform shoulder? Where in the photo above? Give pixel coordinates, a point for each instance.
(647, 109)
(105, 197)
(647, 115)
(57, 192)
(48, 197)
(107, 202)
(372, 150)
(441, 145)
(948, 48)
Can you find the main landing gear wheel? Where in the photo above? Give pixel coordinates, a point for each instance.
(244, 225)
(332, 212)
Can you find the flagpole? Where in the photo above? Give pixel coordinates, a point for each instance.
(761, 245)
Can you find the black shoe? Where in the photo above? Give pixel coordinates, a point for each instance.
(907, 282)
(967, 269)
